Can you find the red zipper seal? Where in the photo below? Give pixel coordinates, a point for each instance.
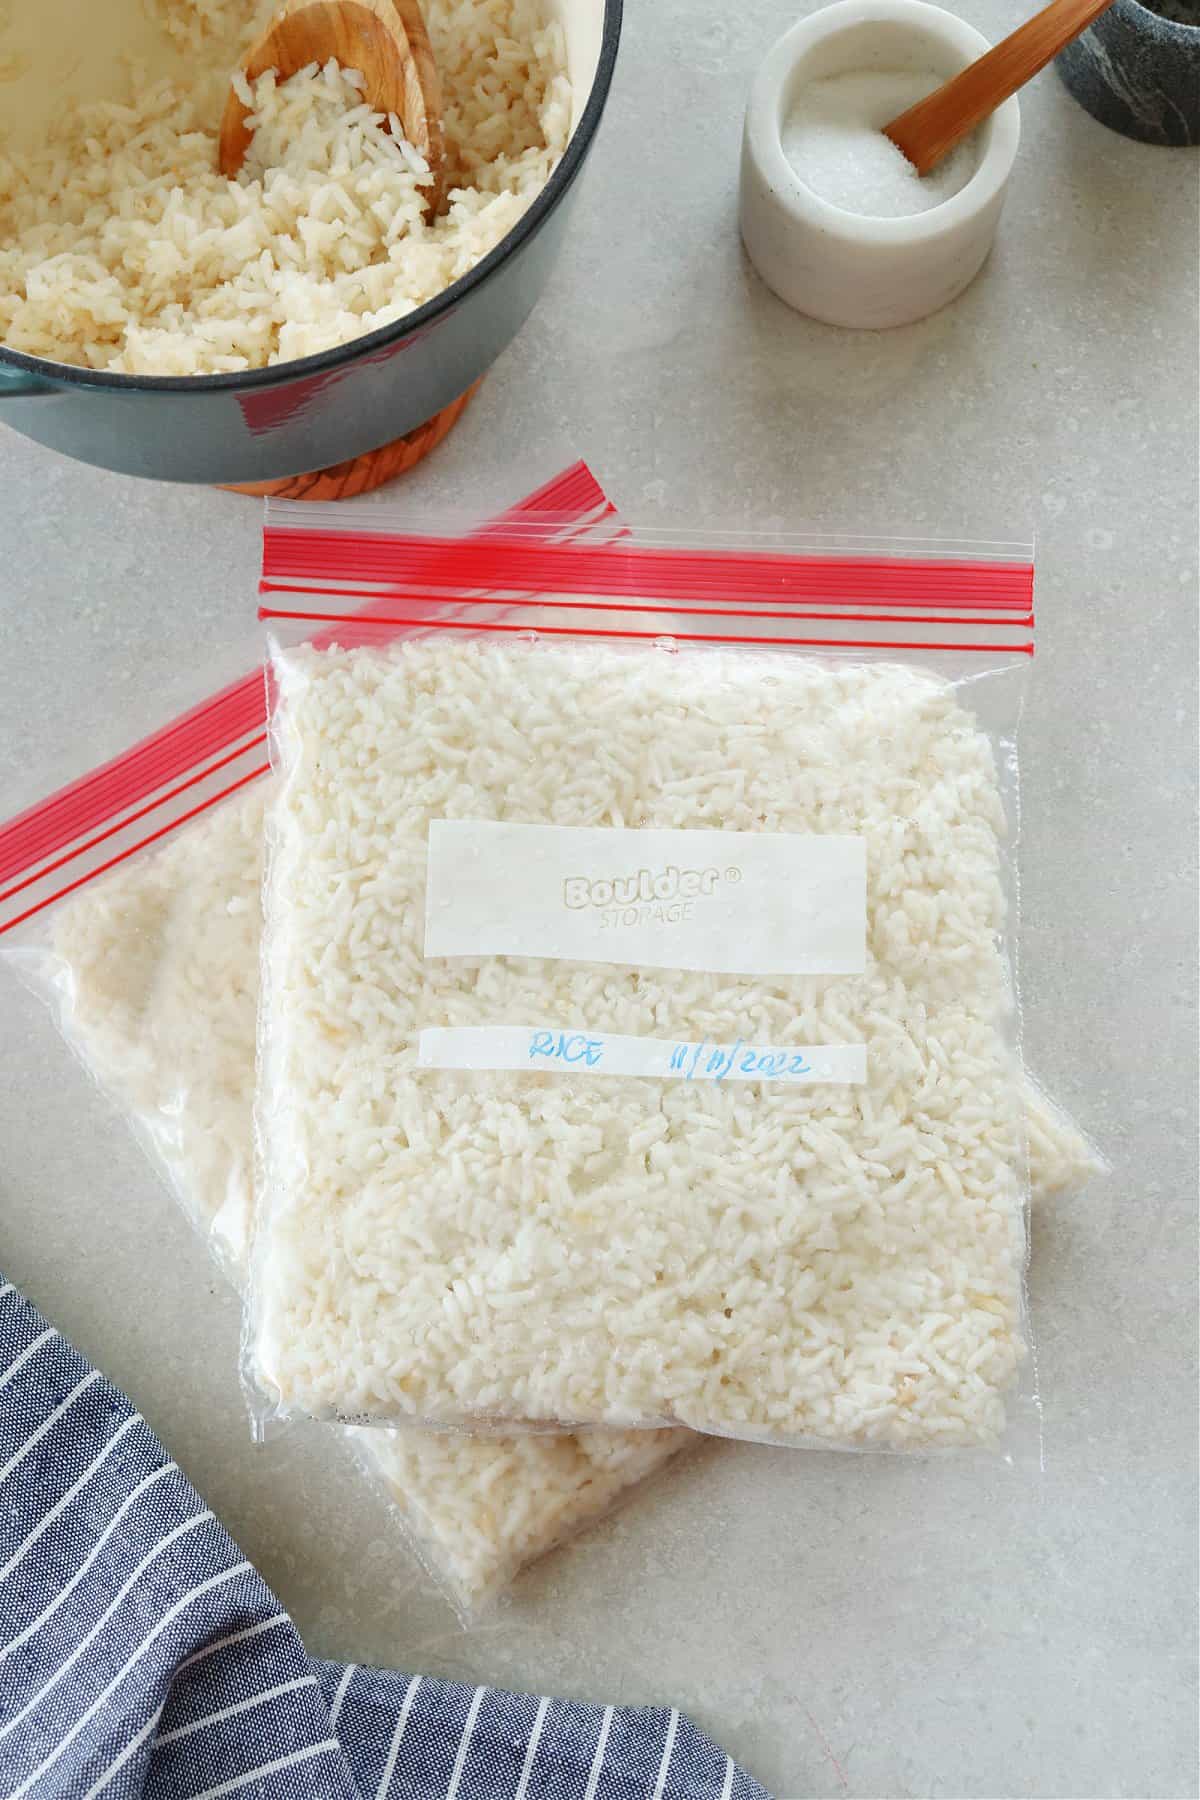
(746, 578)
(626, 634)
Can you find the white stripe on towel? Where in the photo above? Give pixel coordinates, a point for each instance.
(271, 1768)
(531, 1751)
(672, 1728)
(238, 1706)
(468, 1733)
(598, 1759)
(340, 1693)
(233, 1637)
(410, 1694)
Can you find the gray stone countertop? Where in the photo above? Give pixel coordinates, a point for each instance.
(847, 1626)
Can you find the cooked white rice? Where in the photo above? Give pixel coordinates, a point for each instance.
(155, 971)
(833, 1264)
(123, 248)
(479, 1510)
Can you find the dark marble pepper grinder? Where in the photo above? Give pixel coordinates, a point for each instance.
(1138, 71)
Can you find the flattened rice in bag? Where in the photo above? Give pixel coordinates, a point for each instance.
(640, 1040)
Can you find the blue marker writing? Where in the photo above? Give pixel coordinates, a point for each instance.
(566, 1047)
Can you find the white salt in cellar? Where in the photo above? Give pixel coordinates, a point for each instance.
(834, 217)
(833, 138)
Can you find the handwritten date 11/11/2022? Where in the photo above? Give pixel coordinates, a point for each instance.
(687, 1061)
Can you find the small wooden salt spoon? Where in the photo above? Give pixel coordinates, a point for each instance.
(930, 129)
(385, 40)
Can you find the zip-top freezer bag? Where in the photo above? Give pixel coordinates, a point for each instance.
(639, 1035)
(152, 972)
(131, 902)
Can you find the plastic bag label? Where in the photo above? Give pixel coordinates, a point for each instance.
(721, 902)
(547, 1050)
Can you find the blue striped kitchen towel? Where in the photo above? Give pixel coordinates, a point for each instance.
(141, 1655)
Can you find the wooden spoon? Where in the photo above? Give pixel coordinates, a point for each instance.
(931, 128)
(385, 39)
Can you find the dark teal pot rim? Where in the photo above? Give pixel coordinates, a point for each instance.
(277, 374)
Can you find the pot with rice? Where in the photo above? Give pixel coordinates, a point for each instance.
(159, 319)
